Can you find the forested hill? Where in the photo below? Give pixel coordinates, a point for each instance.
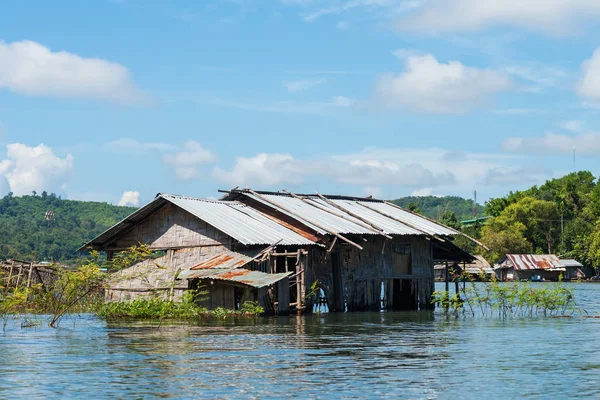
(26, 233)
(434, 207)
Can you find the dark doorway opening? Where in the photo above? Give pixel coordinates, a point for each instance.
(403, 298)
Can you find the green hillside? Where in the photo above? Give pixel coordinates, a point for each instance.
(434, 207)
(25, 233)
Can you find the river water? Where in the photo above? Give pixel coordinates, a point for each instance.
(369, 355)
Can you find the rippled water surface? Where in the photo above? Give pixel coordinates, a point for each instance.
(399, 355)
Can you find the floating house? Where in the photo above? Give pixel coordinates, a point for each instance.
(548, 267)
(282, 249)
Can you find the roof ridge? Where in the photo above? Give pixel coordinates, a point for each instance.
(178, 196)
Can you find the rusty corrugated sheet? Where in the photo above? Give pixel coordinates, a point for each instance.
(534, 261)
(243, 276)
(224, 260)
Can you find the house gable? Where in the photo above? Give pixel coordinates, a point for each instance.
(170, 227)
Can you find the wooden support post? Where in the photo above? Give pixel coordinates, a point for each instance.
(29, 275)
(302, 277)
(19, 276)
(283, 296)
(447, 278)
(39, 276)
(298, 289)
(12, 266)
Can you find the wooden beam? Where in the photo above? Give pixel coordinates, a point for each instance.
(332, 244)
(358, 217)
(436, 222)
(402, 222)
(360, 222)
(304, 219)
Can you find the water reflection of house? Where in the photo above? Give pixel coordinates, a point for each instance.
(478, 269)
(272, 247)
(537, 267)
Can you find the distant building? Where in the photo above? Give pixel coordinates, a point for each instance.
(477, 269)
(273, 247)
(546, 267)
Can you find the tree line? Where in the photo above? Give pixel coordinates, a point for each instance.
(561, 217)
(45, 227)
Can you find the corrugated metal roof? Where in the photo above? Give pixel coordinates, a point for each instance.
(311, 215)
(239, 221)
(534, 261)
(255, 279)
(384, 216)
(229, 259)
(570, 263)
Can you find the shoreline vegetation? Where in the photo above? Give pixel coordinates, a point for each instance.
(81, 290)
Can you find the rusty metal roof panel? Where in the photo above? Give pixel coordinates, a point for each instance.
(228, 259)
(243, 276)
(239, 221)
(534, 261)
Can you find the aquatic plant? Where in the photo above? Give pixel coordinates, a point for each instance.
(504, 300)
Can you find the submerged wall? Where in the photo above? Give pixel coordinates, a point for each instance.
(353, 279)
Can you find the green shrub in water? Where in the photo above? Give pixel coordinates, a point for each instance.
(508, 299)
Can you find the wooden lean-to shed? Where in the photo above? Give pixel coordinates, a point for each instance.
(222, 246)
(285, 250)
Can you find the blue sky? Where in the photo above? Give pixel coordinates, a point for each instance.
(119, 100)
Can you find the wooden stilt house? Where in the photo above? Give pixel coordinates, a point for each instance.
(284, 250)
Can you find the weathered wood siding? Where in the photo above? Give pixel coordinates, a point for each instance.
(357, 278)
(171, 227)
(155, 277)
(220, 294)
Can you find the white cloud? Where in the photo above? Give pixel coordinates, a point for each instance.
(520, 111)
(302, 85)
(541, 75)
(290, 107)
(379, 8)
(130, 198)
(187, 162)
(34, 168)
(589, 85)
(573, 125)
(343, 25)
(31, 69)
(427, 85)
(422, 192)
(129, 145)
(343, 101)
(554, 17)
(263, 169)
(374, 170)
(588, 143)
